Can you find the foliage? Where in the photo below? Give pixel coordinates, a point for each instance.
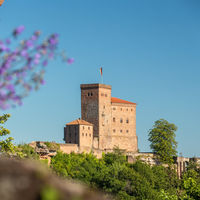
(165, 196)
(8, 148)
(6, 144)
(52, 146)
(49, 193)
(26, 151)
(113, 174)
(162, 138)
(22, 65)
(44, 161)
(165, 179)
(191, 181)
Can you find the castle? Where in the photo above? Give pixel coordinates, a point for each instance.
(106, 122)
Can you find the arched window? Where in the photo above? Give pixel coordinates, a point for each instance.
(113, 119)
(121, 120)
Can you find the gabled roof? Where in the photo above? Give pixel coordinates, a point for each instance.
(117, 100)
(79, 122)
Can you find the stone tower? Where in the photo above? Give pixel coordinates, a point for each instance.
(96, 109)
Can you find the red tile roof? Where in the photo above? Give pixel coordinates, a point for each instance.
(117, 100)
(80, 122)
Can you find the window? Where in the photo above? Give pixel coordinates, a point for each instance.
(127, 121)
(90, 94)
(83, 127)
(82, 134)
(105, 95)
(127, 109)
(114, 108)
(113, 119)
(104, 107)
(121, 109)
(86, 134)
(121, 120)
(113, 130)
(88, 128)
(131, 109)
(120, 131)
(102, 94)
(90, 135)
(127, 131)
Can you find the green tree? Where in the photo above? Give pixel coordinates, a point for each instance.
(6, 144)
(113, 174)
(26, 151)
(163, 143)
(191, 181)
(8, 148)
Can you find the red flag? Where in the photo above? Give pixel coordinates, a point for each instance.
(101, 71)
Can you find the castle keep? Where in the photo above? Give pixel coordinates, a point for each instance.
(105, 122)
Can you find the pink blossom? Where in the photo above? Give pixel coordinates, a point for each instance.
(18, 30)
(70, 60)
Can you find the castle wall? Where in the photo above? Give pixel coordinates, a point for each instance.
(68, 148)
(147, 157)
(123, 124)
(86, 136)
(95, 142)
(105, 138)
(71, 134)
(89, 105)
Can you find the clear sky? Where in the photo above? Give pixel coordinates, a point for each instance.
(149, 51)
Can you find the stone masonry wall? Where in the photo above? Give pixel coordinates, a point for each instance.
(68, 148)
(72, 134)
(89, 105)
(105, 139)
(86, 136)
(124, 126)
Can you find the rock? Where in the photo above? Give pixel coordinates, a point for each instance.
(28, 180)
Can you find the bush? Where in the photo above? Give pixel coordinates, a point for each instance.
(52, 146)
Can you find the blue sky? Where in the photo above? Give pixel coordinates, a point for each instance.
(149, 51)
